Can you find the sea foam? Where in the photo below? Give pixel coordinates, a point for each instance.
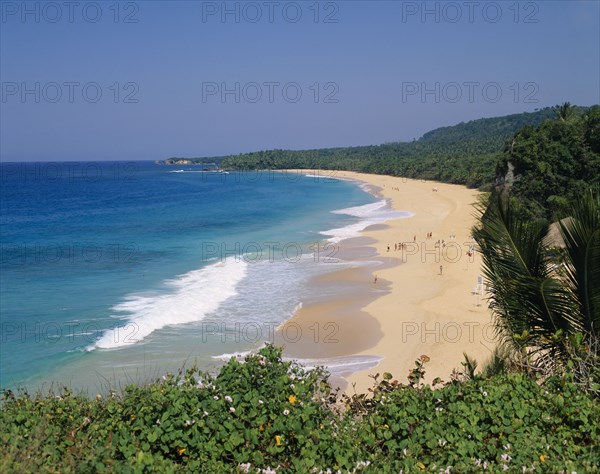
(370, 214)
(190, 298)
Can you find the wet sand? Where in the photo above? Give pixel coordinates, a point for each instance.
(415, 307)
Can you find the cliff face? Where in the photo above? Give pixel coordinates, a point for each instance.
(506, 178)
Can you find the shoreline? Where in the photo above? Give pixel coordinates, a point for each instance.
(412, 310)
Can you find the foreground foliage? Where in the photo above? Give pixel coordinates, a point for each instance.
(268, 415)
(546, 300)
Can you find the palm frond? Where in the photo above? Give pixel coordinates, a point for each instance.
(525, 294)
(581, 235)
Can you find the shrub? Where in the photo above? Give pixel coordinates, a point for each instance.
(268, 415)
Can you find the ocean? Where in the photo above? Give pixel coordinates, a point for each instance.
(115, 272)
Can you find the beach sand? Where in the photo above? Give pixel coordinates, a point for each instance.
(413, 309)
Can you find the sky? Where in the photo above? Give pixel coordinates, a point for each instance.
(148, 80)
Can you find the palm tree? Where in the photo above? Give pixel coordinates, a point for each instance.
(542, 304)
(565, 112)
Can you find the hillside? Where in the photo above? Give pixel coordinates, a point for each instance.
(465, 153)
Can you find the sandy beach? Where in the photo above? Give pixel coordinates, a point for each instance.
(424, 301)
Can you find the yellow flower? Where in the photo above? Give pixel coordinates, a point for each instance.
(181, 451)
(421, 466)
(292, 399)
(278, 440)
(261, 428)
(543, 458)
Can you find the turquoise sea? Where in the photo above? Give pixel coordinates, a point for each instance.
(120, 271)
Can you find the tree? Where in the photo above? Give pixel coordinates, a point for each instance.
(542, 303)
(565, 112)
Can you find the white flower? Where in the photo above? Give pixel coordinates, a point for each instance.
(157, 421)
(286, 412)
(187, 423)
(505, 457)
(506, 447)
(292, 386)
(215, 398)
(245, 467)
(442, 442)
(269, 471)
(484, 393)
(260, 402)
(505, 467)
(228, 399)
(232, 410)
(205, 413)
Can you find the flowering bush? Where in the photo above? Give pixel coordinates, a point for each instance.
(268, 415)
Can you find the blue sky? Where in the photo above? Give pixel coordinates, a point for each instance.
(368, 73)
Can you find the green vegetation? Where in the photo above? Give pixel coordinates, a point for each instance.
(464, 154)
(546, 300)
(555, 163)
(554, 155)
(265, 413)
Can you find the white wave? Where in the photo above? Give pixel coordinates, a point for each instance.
(193, 295)
(236, 355)
(341, 366)
(322, 176)
(363, 211)
(375, 213)
(283, 323)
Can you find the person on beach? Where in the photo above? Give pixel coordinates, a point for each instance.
(375, 280)
(388, 248)
(441, 268)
